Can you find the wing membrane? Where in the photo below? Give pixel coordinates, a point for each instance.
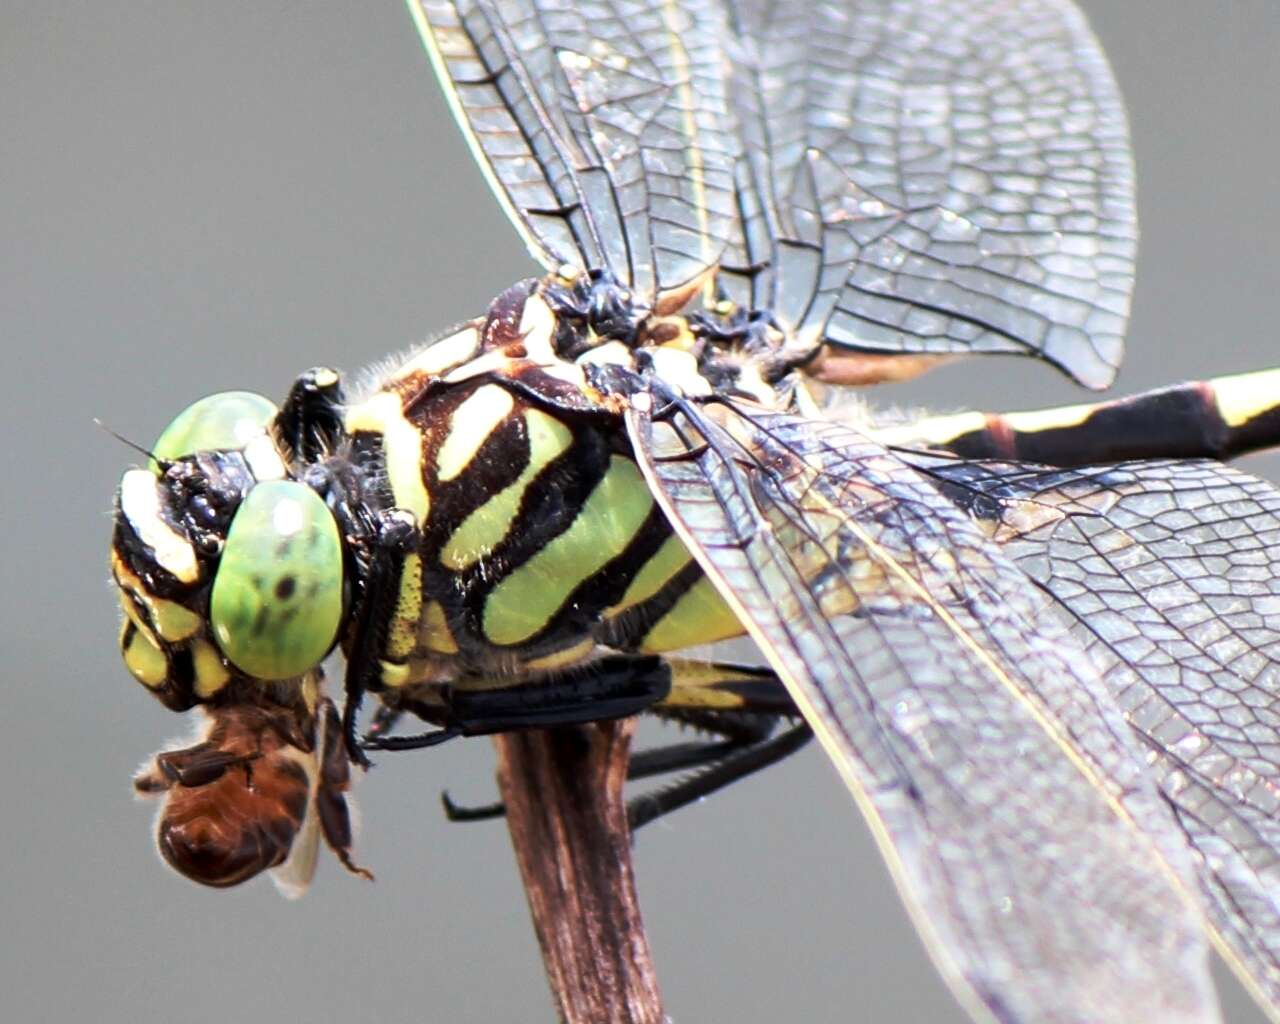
(604, 126)
(1171, 573)
(892, 176)
(938, 176)
(947, 693)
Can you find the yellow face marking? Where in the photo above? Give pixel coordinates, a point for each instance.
(484, 529)
(140, 504)
(402, 633)
(525, 601)
(1245, 396)
(211, 673)
(653, 575)
(172, 621)
(444, 355)
(164, 620)
(130, 610)
(436, 635)
(402, 445)
(470, 426)
(699, 617)
(144, 660)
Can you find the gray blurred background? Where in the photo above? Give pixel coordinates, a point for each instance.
(196, 197)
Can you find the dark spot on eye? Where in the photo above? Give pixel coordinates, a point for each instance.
(285, 587)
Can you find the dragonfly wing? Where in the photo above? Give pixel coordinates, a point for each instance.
(604, 127)
(937, 176)
(1170, 572)
(999, 777)
(901, 176)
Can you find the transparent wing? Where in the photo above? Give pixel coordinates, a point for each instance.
(604, 126)
(1171, 574)
(937, 176)
(1002, 782)
(892, 176)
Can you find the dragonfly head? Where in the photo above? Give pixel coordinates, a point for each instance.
(227, 569)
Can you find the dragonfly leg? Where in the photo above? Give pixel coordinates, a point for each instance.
(611, 687)
(738, 763)
(740, 704)
(394, 538)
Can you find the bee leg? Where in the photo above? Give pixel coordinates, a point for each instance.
(193, 767)
(395, 537)
(331, 799)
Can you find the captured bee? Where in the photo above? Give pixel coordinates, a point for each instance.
(256, 793)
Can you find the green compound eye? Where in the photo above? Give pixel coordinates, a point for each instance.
(277, 595)
(229, 419)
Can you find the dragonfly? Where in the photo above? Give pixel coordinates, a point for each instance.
(1039, 648)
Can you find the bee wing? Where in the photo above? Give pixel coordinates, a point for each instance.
(292, 878)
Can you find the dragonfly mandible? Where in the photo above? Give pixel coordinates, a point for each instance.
(1039, 658)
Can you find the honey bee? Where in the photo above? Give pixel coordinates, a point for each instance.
(257, 791)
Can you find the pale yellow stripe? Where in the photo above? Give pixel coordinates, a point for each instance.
(526, 600)
(436, 635)
(402, 447)
(700, 616)
(561, 659)
(484, 529)
(140, 503)
(470, 426)
(444, 355)
(1245, 396)
(402, 634)
(144, 660)
(211, 673)
(656, 572)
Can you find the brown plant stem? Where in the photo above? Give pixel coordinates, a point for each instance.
(568, 823)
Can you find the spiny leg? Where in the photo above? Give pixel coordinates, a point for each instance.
(663, 760)
(742, 705)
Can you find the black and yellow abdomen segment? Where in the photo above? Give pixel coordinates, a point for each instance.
(1215, 419)
(539, 538)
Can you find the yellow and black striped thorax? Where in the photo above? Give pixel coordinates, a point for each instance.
(538, 539)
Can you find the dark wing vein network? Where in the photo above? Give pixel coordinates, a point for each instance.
(1170, 572)
(921, 176)
(605, 125)
(946, 690)
(938, 176)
